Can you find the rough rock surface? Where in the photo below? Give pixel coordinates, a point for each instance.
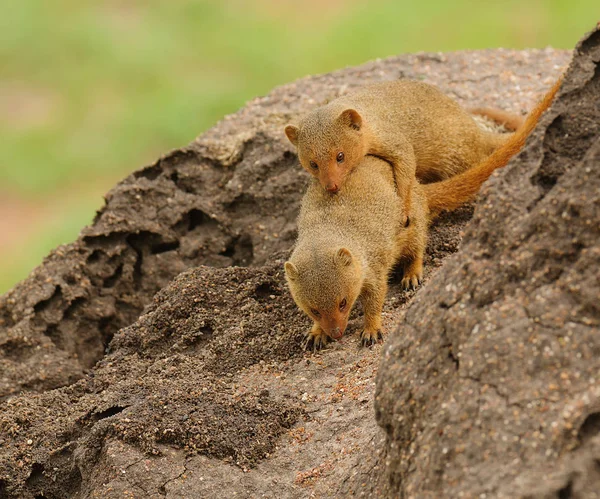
(490, 387)
(202, 390)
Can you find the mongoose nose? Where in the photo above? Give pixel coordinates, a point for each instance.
(336, 333)
(333, 188)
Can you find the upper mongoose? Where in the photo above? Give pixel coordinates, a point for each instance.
(347, 244)
(413, 125)
(508, 120)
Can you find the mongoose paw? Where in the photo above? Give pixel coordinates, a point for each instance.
(411, 281)
(368, 338)
(316, 341)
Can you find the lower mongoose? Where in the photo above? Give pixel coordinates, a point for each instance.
(413, 125)
(347, 244)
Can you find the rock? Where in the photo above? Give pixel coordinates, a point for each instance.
(490, 386)
(118, 381)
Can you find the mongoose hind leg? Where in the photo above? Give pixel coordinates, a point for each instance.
(399, 152)
(316, 339)
(510, 121)
(413, 273)
(373, 297)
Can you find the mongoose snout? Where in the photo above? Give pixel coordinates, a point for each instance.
(332, 188)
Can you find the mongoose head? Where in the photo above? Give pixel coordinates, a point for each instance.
(325, 284)
(329, 146)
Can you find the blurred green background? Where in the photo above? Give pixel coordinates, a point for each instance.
(91, 90)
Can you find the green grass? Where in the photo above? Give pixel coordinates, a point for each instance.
(122, 81)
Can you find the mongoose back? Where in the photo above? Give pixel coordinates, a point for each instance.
(347, 244)
(413, 125)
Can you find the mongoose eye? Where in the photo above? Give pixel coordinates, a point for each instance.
(343, 304)
(314, 165)
(340, 157)
(315, 312)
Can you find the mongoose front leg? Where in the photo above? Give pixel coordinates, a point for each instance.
(412, 243)
(400, 153)
(316, 339)
(373, 297)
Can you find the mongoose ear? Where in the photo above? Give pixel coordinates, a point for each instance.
(291, 271)
(344, 257)
(292, 133)
(352, 117)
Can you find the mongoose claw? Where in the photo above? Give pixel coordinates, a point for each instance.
(315, 341)
(369, 338)
(411, 282)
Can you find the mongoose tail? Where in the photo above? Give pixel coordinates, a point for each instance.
(452, 193)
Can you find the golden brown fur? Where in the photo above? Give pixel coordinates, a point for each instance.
(450, 194)
(410, 124)
(347, 244)
(508, 120)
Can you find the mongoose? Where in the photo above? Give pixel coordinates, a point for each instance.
(510, 121)
(413, 125)
(347, 244)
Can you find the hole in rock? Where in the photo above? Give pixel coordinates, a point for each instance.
(196, 218)
(590, 427)
(111, 411)
(567, 491)
(265, 290)
(163, 247)
(36, 475)
(240, 250)
(111, 280)
(150, 172)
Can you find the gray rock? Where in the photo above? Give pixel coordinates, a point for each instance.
(490, 386)
(125, 371)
